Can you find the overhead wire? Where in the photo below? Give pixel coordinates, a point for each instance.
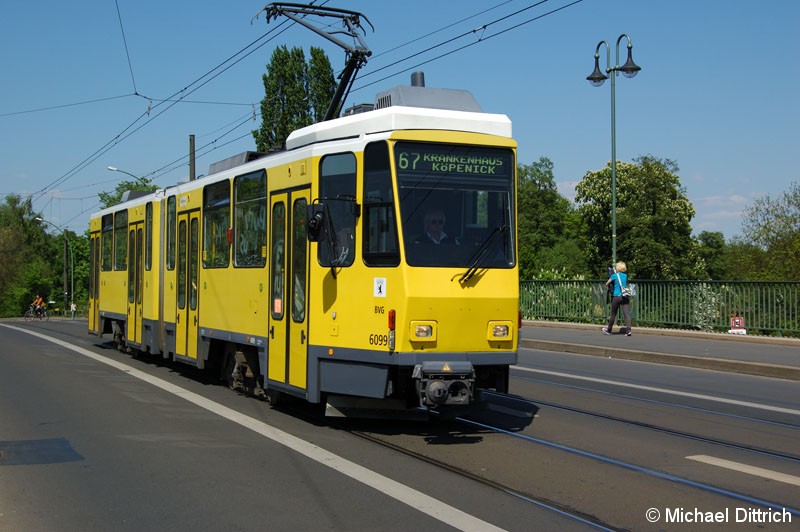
(125, 42)
(62, 106)
(177, 163)
(199, 83)
(451, 40)
(185, 91)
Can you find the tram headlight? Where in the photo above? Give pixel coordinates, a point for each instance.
(422, 331)
(500, 331)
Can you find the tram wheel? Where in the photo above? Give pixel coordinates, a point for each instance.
(274, 396)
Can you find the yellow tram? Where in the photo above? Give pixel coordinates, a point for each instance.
(372, 263)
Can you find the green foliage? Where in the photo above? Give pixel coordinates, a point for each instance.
(713, 250)
(548, 224)
(773, 226)
(29, 261)
(653, 220)
(33, 260)
(321, 83)
(559, 299)
(767, 307)
(108, 199)
(296, 94)
(745, 261)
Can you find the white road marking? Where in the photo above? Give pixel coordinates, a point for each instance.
(744, 468)
(664, 390)
(415, 499)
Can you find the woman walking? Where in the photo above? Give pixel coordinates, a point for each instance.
(620, 281)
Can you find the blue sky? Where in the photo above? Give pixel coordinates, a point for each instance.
(715, 93)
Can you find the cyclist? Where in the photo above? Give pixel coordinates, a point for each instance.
(38, 306)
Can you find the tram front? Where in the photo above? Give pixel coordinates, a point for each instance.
(458, 325)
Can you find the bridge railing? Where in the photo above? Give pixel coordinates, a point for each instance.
(766, 307)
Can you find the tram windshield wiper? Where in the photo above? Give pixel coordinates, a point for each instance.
(483, 251)
(331, 239)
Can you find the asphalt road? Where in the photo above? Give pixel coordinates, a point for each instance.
(93, 439)
(88, 446)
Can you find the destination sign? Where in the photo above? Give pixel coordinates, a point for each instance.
(416, 158)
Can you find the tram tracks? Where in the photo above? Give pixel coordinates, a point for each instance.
(668, 430)
(651, 472)
(674, 432)
(553, 499)
(556, 498)
(563, 510)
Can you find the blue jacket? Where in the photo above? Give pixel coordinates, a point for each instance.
(617, 287)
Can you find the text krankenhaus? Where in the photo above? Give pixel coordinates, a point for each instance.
(740, 515)
(463, 164)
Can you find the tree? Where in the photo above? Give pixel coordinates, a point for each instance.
(296, 94)
(321, 83)
(548, 235)
(773, 226)
(109, 199)
(653, 220)
(30, 265)
(746, 261)
(713, 250)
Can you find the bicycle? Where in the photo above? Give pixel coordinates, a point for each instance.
(34, 313)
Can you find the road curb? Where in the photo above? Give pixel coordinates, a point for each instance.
(734, 366)
(741, 338)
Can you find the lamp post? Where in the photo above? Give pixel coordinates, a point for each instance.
(67, 296)
(115, 169)
(597, 78)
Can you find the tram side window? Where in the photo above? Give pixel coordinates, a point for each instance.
(171, 228)
(216, 221)
(250, 220)
(92, 266)
(120, 240)
(299, 257)
(107, 263)
(278, 241)
(134, 262)
(380, 227)
(338, 190)
(148, 236)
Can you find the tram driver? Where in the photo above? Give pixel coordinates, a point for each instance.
(434, 227)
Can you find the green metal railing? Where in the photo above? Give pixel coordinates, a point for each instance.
(766, 307)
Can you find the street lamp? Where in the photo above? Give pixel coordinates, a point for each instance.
(67, 296)
(115, 169)
(597, 78)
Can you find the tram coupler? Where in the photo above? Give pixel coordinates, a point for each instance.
(444, 383)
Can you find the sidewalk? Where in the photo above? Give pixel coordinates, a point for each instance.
(754, 355)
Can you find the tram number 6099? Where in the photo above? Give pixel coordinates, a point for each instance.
(378, 339)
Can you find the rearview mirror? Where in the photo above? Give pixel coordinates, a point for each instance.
(315, 220)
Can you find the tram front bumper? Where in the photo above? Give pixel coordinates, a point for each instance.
(444, 383)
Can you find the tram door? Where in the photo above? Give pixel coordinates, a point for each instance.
(288, 340)
(135, 283)
(94, 282)
(186, 290)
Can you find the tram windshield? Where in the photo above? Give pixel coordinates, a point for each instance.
(456, 204)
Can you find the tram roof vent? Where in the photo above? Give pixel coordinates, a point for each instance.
(236, 160)
(133, 194)
(418, 95)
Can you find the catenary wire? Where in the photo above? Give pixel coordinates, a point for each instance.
(123, 135)
(125, 42)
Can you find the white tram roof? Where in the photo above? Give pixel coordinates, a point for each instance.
(399, 118)
(138, 199)
(354, 126)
